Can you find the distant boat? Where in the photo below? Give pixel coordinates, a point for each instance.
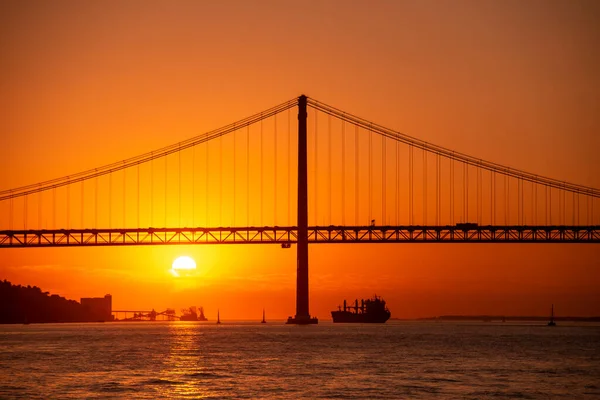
(264, 321)
(218, 317)
(552, 323)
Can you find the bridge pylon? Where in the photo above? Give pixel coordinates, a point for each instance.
(302, 316)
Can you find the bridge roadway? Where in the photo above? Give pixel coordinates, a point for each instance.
(285, 236)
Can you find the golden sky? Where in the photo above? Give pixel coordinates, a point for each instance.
(84, 84)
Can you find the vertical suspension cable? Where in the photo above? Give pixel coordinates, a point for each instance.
(545, 204)
(68, 206)
(234, 173)
(53, 209)
(82, 203)
(152, 191)
(477, 169)
(519, 210)
(564, 193)
(587, 210)
(534, 188)
(532, 211)
(523, 214)
(424, 187)
(492, 197)
(480, 193)
(550, 202)
(220, 181)
(465, 192)
(437, 189)
(343, 171)
(592, 199)
(96, 203)
(329, 168)
(289, 176)
(40, 224)
(248, 175)
(562, 199)
(506, 198)
(578, 206)
(397, 182)
(508, 201)
(356, 179)
(573, 204)
(206, 164)
(194, 186)
(370, 177)
(521, 201)
(411, 215)
(179, 184)
(110, 200)
(124, 197)
(315, 169)
(10, 213)
(383, 181)
(275, 171)
(452, 190)
(522, 198)
(165, 188)
(261, 170)
(25, 212)
(138, 195)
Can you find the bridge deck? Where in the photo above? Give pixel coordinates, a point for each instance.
(288, 235)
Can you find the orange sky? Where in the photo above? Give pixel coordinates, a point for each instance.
(86, 84)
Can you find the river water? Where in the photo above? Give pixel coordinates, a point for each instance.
(420, 360)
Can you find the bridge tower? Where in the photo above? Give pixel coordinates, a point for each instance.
(302, 316)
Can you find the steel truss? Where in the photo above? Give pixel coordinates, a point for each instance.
(288, 235)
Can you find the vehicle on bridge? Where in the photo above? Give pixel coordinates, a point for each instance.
(467, 225)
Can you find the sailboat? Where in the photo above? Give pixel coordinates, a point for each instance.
(218, 317)
(552, 323)
(264, 321)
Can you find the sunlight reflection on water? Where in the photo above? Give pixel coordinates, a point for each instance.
(202, 360)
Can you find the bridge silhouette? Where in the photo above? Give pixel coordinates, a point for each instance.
(368, 184)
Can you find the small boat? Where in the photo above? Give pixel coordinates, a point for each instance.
(218, 317)
(264, 321)
(552, 323)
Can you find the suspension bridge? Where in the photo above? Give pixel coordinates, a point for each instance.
(242, 183)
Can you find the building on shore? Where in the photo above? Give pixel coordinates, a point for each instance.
(98, 307)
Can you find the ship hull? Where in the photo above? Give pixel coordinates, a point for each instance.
(360, 318)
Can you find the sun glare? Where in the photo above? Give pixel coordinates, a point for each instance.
(182, 264)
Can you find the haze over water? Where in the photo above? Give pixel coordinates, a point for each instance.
(250, 360)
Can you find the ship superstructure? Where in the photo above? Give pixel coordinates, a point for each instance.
(372, 310)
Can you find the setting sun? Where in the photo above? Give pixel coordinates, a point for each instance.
(183, 263)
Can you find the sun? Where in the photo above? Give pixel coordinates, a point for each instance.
(182, 264)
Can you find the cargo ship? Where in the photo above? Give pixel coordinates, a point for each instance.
(370, 311)
(191, 314)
